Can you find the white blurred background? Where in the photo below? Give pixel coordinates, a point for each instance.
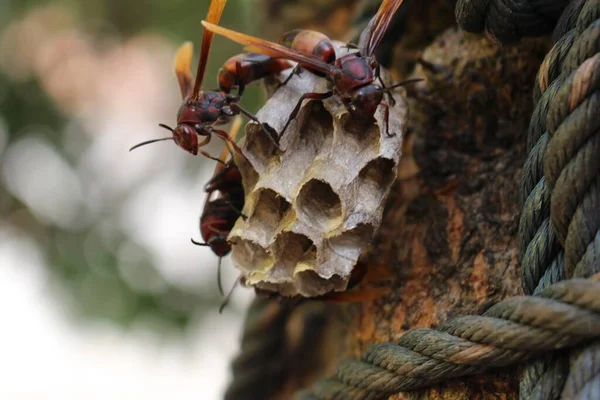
(102, 295)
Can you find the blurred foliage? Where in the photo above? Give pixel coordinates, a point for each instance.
(84, 260)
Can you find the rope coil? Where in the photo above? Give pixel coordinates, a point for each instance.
(563, 142)
(509, 20)
(514, 330)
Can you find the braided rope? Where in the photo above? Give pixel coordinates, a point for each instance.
(585, 383)
(564, 162)
(509, 20)
(258, 368)
(516, 329)
(542, 256)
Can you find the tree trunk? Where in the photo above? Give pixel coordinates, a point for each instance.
(448, 243)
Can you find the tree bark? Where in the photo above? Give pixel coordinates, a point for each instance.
(450, 229)
(448, 245)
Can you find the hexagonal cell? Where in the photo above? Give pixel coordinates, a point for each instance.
(281, 288)
(315, 136)
(259, 148)
(250, 257)
(310, 284)
(360, 135)
(315, 121)
(308, 260)
(350, 243)
(289, 249)
(268, 211)
(319, 206)
(375, 179)
(249, 174)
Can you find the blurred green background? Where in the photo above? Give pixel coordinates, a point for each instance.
(94, 240)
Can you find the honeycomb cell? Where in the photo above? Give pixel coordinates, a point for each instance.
(289, 249)
(350, 243)
(281, 288)
(312, 284)
(314, 137)
(375, 179)
(315, 122)
(249, 174)
(250, 257)
(259, 148)
(319, 206)
(361, 135)
(268, 212)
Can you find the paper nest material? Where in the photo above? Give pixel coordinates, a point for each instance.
(312, 208)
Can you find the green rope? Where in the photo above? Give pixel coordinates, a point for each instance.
(509, 20)
(563, 160)
(516, 329)
(584, 384)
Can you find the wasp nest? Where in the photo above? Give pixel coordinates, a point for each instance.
(314, 206)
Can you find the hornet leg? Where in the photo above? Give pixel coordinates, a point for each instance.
(310, 96)
(226, 300)
(238, 211)
(377, 74)
(225, 136)
(237, 107)
(205, 154)
(386, 118)
(297, 70)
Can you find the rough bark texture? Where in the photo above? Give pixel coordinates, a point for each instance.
(313, 345)
(448, 243)
(450, 233)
